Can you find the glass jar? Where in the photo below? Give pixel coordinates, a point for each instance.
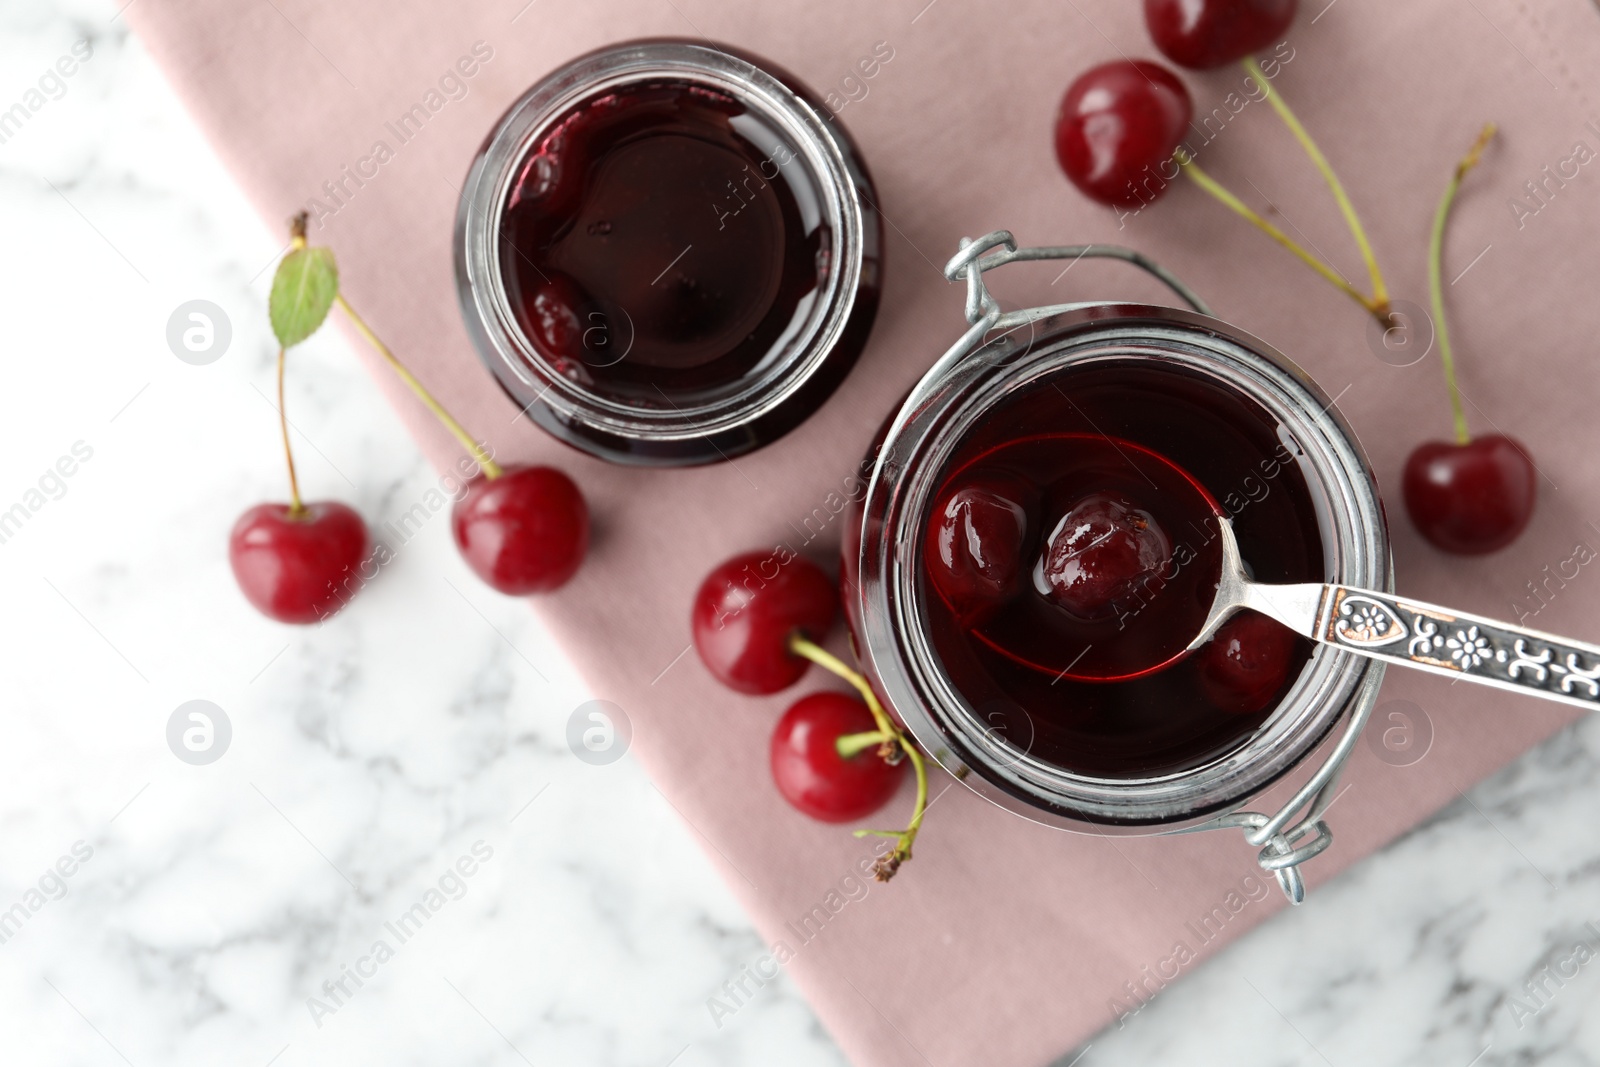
(668, 253)
(974, 390)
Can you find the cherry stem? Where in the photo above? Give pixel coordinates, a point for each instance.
(296, 508)
(1436, 275)
(802, 646)
(849, 745)
(1186, 163)
(1380, 293)
(491, 469)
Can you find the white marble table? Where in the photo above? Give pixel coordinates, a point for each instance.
(216, 901)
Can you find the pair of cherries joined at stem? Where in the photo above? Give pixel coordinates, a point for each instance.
(521, 529)
(1120, 136)
(758, 621)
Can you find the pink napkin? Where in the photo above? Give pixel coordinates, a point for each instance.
(1003, 942)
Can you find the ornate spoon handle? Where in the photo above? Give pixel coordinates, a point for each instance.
(1411, 633)
(1450, 642)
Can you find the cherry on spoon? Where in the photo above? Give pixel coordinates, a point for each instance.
(1413, 634)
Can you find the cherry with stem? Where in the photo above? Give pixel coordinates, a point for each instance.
(1471, 495)
(891, 742)
(757, 630)
(828, 760)
(1122, 122)
(297, 563)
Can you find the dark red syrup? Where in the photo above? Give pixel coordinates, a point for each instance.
(1120, 470)
(661, 244)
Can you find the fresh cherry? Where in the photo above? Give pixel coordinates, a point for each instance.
(1101, 552)
(1244, 665)
(524, 531)
(974, 543)
(748, 608)
(1470, 498)
(811, 773)
(298, 566)
(1200, 34)
(1118, 126)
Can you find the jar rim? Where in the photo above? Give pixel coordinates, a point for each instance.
(816, 141)
(949, 401)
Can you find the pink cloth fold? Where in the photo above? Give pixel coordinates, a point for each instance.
(1003, 942)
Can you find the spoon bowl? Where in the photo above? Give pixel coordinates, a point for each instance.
(1138, 637)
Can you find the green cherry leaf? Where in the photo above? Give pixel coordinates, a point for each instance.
(302, 292)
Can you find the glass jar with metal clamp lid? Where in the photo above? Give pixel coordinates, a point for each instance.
(1044, 534)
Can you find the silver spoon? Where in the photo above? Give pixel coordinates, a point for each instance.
(1411, 633)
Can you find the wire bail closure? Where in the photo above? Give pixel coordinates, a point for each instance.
(981, 306)
(1281, 849)
(1283, 841)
